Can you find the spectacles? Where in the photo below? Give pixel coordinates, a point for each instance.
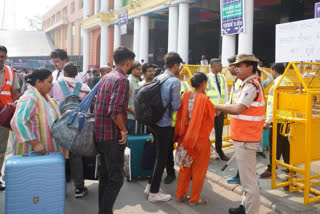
(54, 62)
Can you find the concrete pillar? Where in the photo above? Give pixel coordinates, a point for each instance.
(118, 4)
(173, 29)
(136, 37)
(183, 32)
(117, 37)
(104, 6)
(96, 6)
(85, 51)
(144, 38)
(104, 44)
(86, 8)
(228, 48)
(246, 38)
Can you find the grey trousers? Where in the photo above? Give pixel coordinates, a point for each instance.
(4, 135)
(76, 166)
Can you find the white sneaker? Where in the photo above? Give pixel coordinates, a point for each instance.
(147, 189)
(159, 197)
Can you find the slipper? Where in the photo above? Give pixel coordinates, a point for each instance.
(201, 201)
(183, 199)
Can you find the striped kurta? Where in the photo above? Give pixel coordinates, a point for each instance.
(32, 120)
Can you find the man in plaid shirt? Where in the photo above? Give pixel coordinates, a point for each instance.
(110, 127)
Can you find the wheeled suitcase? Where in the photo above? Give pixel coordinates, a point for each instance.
(35, 184)
(133, 156)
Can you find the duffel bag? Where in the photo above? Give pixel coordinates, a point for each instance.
(74, 130)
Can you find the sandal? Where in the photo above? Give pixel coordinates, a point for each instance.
(183, 199)
(201, 201)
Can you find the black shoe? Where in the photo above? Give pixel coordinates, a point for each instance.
(266, 174)
(262, 154)
(169, 179)
(224, 158)
(2, 187)
(80, 192)
(238, 210)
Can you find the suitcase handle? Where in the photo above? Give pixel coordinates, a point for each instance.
(34, 154)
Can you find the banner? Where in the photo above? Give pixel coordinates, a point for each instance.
(232, 17)
(317, 10)
(123, 21)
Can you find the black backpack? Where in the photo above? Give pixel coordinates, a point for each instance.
(148, 103)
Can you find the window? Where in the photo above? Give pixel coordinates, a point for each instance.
(72, 7)
(80, 4)
(73, 34)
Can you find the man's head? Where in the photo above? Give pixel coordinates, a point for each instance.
(124, 58)
(232, 66)
(136, 69)
(59, 58)
(148, 72)
(3, 55)
(203, 57)
(246, 65)
(173, 62)
(104, 69)
(70, 70)
(216, 65)
(277, 69)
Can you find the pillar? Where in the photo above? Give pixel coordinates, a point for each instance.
(228, 48)
(246, 38)
(104, 44)
(117, 37)
(85, 40)
(183, 32)
(144, 38)
(136, 37)
(96, 6)
(86, 8)
(173, 29)
(104, 6)
(117, 4)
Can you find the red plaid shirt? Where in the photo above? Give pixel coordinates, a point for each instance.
(112, 99)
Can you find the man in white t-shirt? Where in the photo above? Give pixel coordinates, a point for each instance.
(59, 58)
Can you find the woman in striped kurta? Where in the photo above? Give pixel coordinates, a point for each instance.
(34, 115)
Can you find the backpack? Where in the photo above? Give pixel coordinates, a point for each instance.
(148, 103)
(71, 100)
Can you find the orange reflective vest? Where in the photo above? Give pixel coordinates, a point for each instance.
(5, 94)
(248, 126)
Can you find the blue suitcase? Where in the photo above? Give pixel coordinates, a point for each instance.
(35, 184)
(134, 153)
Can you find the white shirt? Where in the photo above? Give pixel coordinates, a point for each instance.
(225, 86)
(134, 84)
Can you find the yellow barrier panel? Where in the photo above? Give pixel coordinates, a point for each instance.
(297, 105)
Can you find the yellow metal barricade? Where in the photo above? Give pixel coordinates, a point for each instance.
(297, 106)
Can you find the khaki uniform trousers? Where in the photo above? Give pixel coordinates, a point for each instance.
(246, 158)
(4, 135)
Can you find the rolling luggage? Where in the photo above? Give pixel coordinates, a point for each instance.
(133, 156)
(35, 184)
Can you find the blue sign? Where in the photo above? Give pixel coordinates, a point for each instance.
(123, 17)
(317, 10)
(231, 13)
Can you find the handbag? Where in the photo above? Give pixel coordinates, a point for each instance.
(7, 112)
(182, 157)
(74, 130)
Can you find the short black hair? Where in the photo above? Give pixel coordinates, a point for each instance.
(278, 67)
(122, 54)
(158, 71)
(59, 53)
(232, 59)
(70, 69)
(3, 48)
(214, 60)
(136, 65)
(172, 58)
(197, 79)
(254, 65)
(146, 66)
(38, 74)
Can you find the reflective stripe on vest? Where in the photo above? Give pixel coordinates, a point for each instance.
(5, 95)
(248, 126)
(213, 93)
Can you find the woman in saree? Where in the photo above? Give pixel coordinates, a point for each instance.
(35, 113)
(195, 120)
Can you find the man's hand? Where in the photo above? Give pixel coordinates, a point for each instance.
(123, 139)
(266, 126)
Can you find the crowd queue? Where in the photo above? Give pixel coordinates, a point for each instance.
(188, 120)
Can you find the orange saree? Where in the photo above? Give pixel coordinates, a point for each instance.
(194, 137)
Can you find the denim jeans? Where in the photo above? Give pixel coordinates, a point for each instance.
(111, 174)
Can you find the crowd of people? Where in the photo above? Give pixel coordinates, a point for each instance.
(189, 118)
